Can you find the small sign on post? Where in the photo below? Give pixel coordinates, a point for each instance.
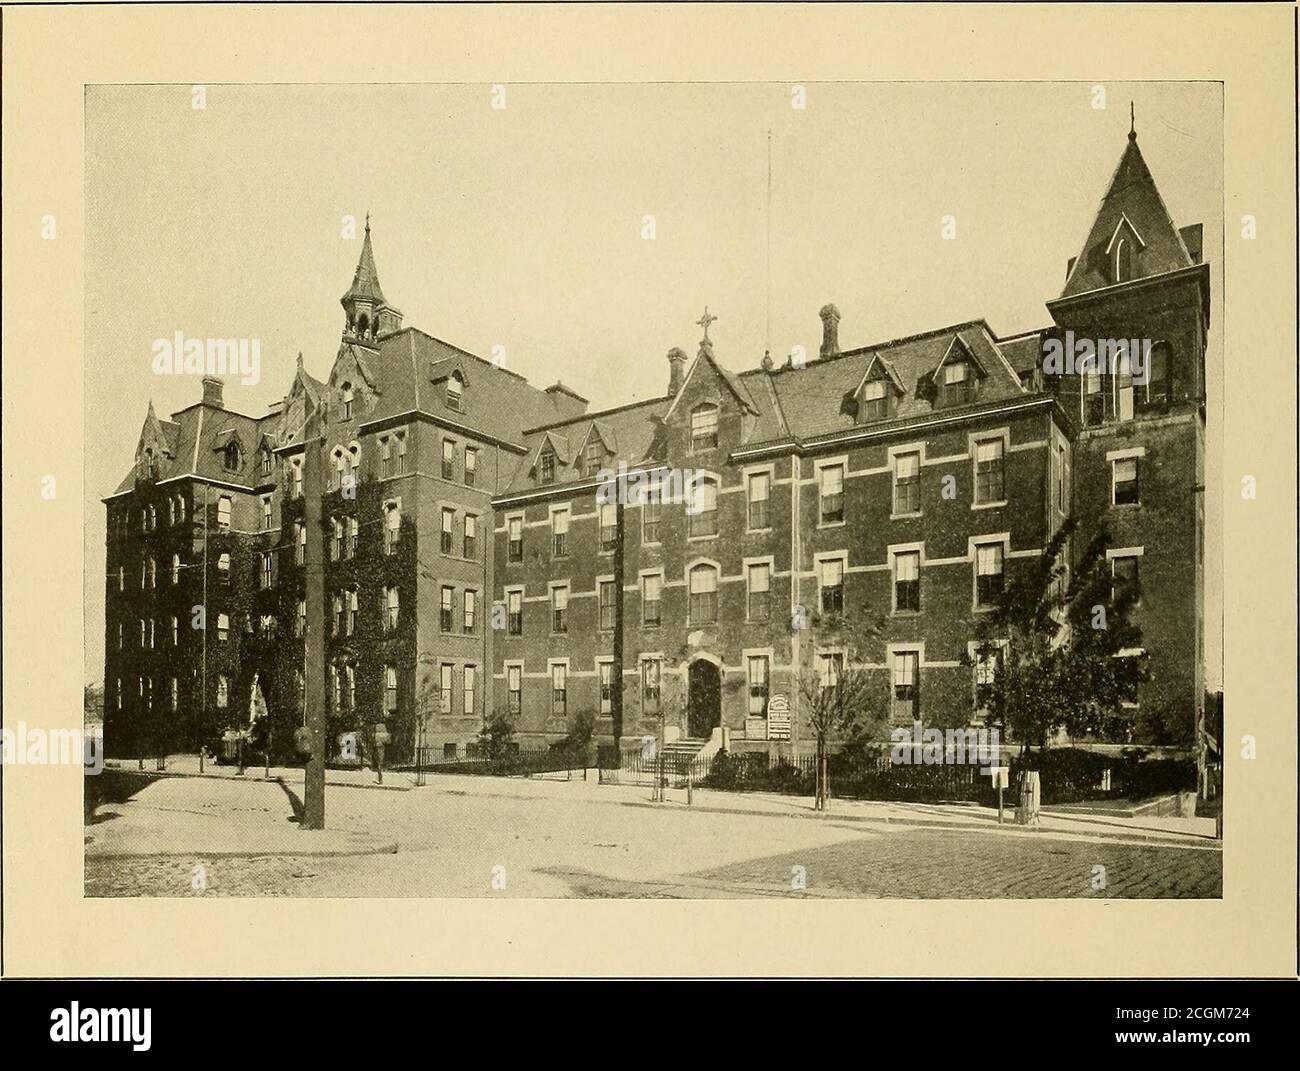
(1000, 779)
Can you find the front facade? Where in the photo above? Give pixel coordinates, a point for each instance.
(475, 561)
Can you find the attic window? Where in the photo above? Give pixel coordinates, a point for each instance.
(347, 402)
(957, 383)
(593, 454)
(546, 465)
(266, 462)
(455, 388)
(704, 427)
(875, 400)
(232, 458)
(1123, 261)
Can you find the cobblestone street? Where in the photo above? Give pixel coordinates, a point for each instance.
(496, 838)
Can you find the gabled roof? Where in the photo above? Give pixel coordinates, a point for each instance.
(1132, 198)
(959, 347)
(878, 362)
(733, 382)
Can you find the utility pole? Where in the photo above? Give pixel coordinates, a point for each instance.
(314, 633)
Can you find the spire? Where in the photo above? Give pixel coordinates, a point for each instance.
(365, 283)
(369, 314)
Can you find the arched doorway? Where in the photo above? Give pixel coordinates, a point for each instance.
(704, 698)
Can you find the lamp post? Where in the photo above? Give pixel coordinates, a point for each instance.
(381, 737)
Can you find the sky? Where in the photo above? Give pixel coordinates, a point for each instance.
(525, 228)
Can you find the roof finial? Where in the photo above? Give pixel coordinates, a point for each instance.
(704, 322)
(1132, 123)
(367, 222)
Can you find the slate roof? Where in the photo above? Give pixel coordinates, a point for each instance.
(1132, 194)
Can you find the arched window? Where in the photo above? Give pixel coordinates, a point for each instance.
(266, 462)
(233, 460)
(1123, 261)
(347, 397)
(176, 568)
(704, 427)
(702, 511)
(455, 389)
(704, 595)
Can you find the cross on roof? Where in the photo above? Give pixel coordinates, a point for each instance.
(704, 322)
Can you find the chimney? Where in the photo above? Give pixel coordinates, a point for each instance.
(212, 391)
(830, 331)
(677, 369)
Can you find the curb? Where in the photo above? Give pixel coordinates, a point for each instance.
(387, 848)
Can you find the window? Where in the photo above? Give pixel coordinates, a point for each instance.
(990, 486)
(176, 631)
(455, 391)
(120, 635)
(350, 682)
(703, 595)
(348, 396)
(174, 695)
(514, 688)
(987, 660)
(560, 608)
(704, 427)
(905, 671)
(1123, 261)
(1124, 481)
(469, 609)
(1060, 478)
(121, 577)
(336, 543)
(392, 527)
(515, 538)
(266, 626)
(559, 689)
(830, 577)
(295, 475)
(352, 610)
(445, 686)
(832, 494)
(171, 511)
(650, 673)
(759, 578)
(651, 587)
(470, 540)
(471, 464)
(385, 457)
(448, 459)
(144, 572)
(757, 671)
(223, 692)
(988, 574)
(467, 682)
(907, 580)
(651, 511)
(547, 462)
(957, 383)
(392, 608)
(265, 572)
(608, 525)
(703, 510)
(445, 610)
(606, 671)
(830, 671)
(223, 513)
(1094, 399)
(907, 484)
(338, 615)
(117, 691)
(592, 456)
(223, 566)
(180, 507)
(390, 690)
(336, 689)
(448, 526)
(300, 622)
(266, 513)
(560, 533)
(223, 627)
(875, 403)
(151, 633)
(1124, 576)
(606, 599)
(231, 457)
(299, 543)
(1155, 393)
(336, 477)
(1123, 380)
(266, 462)
(759, 487)
(176, 569)
(515, 613)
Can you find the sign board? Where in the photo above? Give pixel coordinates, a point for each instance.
(1001, 776)
(778, 717)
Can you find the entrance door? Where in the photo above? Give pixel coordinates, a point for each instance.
(704, 694)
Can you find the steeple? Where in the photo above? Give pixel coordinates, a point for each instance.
(1132, 236)
(369, 314)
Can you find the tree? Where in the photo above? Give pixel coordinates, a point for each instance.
(497, 734)
(838, 693)
(1066, 653)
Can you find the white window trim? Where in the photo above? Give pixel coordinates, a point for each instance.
(1125, 455)
(973, 439)
(984, 541)
(842, 461)
(917, 448)
(768, 470)
(891, 556)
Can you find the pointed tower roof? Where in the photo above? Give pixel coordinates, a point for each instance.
(365, 283)
(1131, 210)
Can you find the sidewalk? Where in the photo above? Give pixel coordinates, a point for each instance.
(188, 766)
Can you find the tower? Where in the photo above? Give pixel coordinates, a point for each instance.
(369, 316)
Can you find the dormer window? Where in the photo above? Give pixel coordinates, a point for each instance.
(704, 427)
(347, 402)
(232, 457)
(1123, 260)
(546, 467)
(455, 389)
(875, 400)
(266, 462)
(958, 386)
(593, 455)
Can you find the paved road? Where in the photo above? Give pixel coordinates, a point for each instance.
(477, 843)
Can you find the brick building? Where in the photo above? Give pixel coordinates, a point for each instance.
(472, 563)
